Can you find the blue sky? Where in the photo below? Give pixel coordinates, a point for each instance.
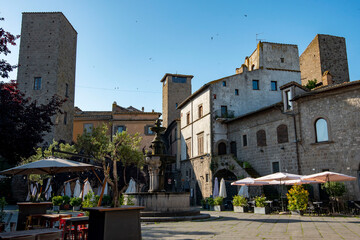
(125, 47)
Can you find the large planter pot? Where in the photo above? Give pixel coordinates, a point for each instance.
(56, 208)
(76, 208)
(219, 208)
(262, 210)
(241, 209)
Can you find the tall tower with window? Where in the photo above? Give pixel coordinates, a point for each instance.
(176, 88)
(47, 62)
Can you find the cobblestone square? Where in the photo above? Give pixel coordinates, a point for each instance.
(230, 225)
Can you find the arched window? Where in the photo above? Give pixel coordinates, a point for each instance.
(321, 130)
(282, 134)
(253, 67)
(222, 148)
(261, 138)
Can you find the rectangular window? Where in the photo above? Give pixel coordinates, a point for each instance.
(237, 92)
(255, 84)
(273, 86)
(66, 90)
(200, 138)
(207, 177)
(37, 83)
(176, 105)
(282, 60)
(88, 127)
(224, 83)
(244, 140)
(148, 130)
(288, 98)
(188, 148)
(120, 129)
(200, 111)
(188, 118)
(233, 149)
(179, 79)
(65, 118)
(275, 167)
(224, 111)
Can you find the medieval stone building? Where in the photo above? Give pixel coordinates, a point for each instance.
(47, 62)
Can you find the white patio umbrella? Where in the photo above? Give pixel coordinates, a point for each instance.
(67, 189)
(244, 191)
(77, 189)
(105, 189)
(250, 182)
(30, 192)
(329, 177)
(222, 192)
(132, 187)
(87, 189)
(216, 188)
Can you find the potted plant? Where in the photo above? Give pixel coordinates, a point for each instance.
(218, 201)
(261, 206)
(204, 203)
(66, 202)
(211, 203)
(57, 201)
(3, 203)
(240, 204)
(298, 199)
(75, 202)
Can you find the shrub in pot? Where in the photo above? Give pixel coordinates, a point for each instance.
(240, 204)
(57, 201)
(75, 202)
(210, 202)
(261, 206)
(218, 201)
(298, 199)
(66, 202)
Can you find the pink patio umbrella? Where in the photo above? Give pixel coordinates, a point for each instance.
(329, 177)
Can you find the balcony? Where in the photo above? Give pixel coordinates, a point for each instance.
(219, 114)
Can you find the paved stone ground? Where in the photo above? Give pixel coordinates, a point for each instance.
(230, 225)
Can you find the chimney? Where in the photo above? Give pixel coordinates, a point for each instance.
(152, 110)
(142, 108)
(114, 106)
(327, 78)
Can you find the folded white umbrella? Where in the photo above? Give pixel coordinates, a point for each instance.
(30, 192)
(87, 189)
(105, 189)
(222, 192)
(216, 188)
(132, 187)
(244, 191)
(48, 189)
(77, 189)
(68, 189)
(329, 177)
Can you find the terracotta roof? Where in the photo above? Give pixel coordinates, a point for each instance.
(276, 105)
(293, 83)
(328, 88)
(175, 75)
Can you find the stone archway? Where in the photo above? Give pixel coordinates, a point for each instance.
(231, 191)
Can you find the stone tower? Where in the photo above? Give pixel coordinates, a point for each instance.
(47, 62)
(176, 88)
(325, 53)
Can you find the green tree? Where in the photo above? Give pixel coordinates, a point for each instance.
(311, 84)
(123, 148)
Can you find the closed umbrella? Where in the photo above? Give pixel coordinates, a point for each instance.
(132, 187)
(216, 188)
(87, 189)
(48, 189)
(30, 192)
(222, 192)
(105, 189)
(77, 189)
(244, 191)
(68, 189)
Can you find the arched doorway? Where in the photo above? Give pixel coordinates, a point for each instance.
(222, 148)
(231, 191)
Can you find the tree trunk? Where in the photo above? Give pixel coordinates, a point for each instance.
(115, 190)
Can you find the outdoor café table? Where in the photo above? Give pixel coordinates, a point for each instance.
(51, 218)
(76, 221)
(114, 223)
(30, 208)
(32, 233)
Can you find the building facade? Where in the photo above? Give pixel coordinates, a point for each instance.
(47, 62)
(119, 119)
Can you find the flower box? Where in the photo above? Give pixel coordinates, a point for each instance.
(241, 209)
(262, 210)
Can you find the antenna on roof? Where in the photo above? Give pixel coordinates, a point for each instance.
(259, 39)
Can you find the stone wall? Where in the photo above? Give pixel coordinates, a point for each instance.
(48, 50)
(341, 109)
